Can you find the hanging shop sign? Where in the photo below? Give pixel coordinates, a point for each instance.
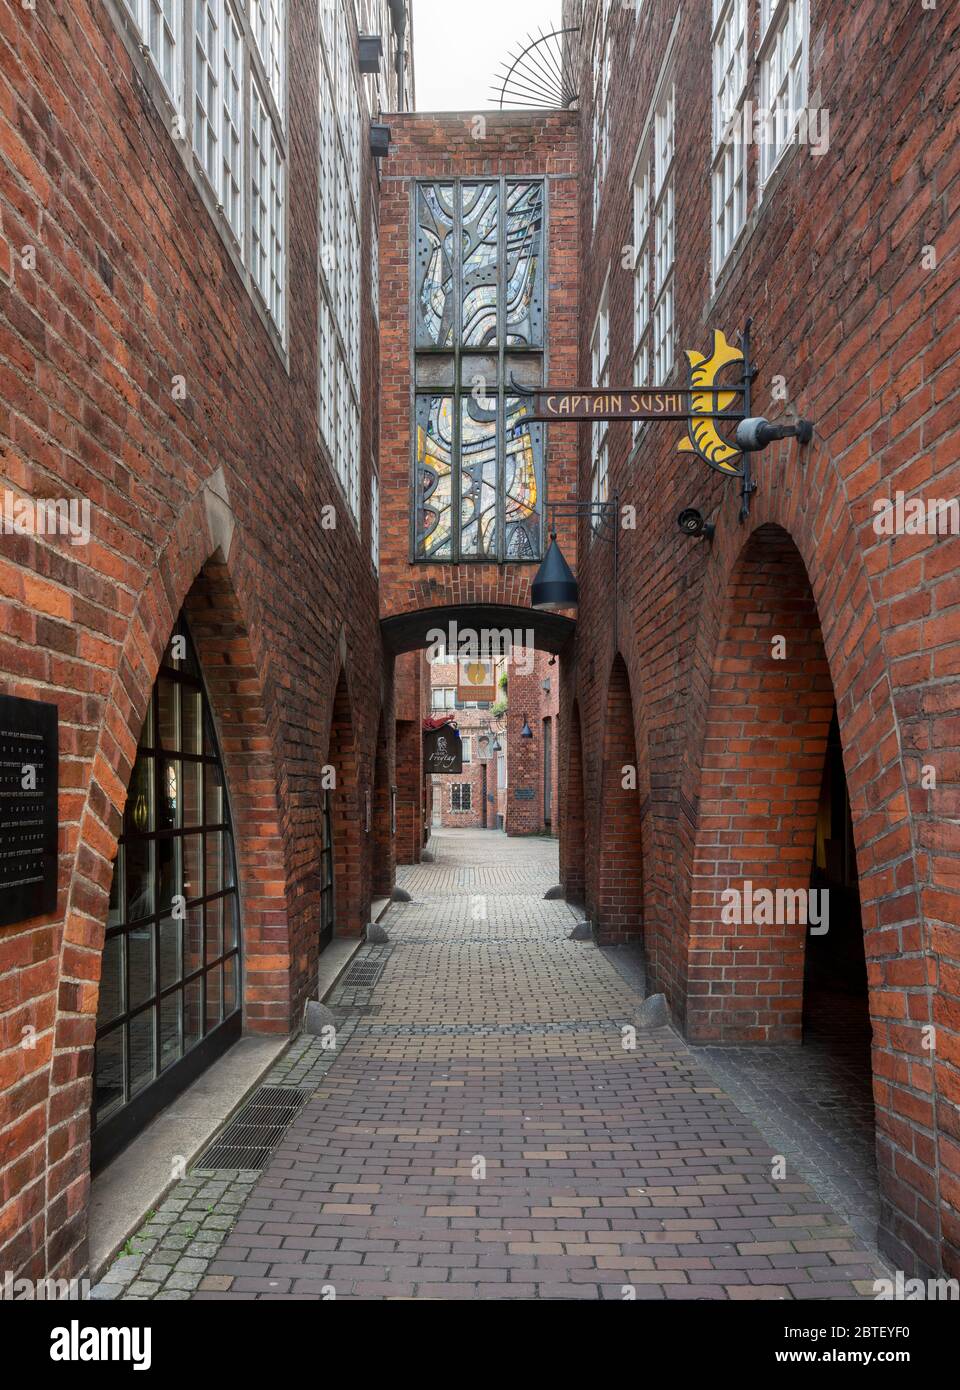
(442, 750)
(28, 809)
(721, 432)
(476, 680)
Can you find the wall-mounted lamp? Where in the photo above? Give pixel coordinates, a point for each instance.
(555, 587)
(692, 524)
(756, 433)
(526, 731)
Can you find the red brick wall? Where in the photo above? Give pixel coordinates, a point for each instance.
(133, 286)
(832, 267)
(525, 757)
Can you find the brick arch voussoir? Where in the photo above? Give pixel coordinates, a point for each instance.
(164, 593)
(623, 821)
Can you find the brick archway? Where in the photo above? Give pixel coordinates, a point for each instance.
(347, 815)
(573, 813)
(619, 876)
(190, 575)
(768, 719)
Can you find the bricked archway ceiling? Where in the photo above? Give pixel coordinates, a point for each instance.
(407, 632)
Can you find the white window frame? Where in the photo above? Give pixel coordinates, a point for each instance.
(642, 302)
(375, 520)
(600, 67)
(466, 746)
(232, 122)
(729, 173)
(208, 63)
(600, 372)
(341, 250)
(240, 172)
(457, 791)
(784, 78)
(664, 232)
(267, 207)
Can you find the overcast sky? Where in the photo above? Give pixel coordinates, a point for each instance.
(459, 46)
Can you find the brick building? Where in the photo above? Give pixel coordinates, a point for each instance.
(834, 226)
(510, 771)
(188, 305)
(291, 380)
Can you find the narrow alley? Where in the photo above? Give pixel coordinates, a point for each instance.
(482, 1131)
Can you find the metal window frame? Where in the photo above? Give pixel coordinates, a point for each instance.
(123, 1121)
(458, 353)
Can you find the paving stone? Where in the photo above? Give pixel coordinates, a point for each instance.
(479, 1131)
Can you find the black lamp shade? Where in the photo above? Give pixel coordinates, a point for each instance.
(554, 586)
(526, 731)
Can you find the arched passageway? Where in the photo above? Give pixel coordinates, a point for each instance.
(769, 716)
(196, 870)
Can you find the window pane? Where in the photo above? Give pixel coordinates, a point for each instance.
(214, 862)
(192, 1014)
(190, 718)
(168, 700)
(140, 955)
(213, 808)
(230, 990)
(139, 874)
(170, 954)
(214, 946)
(170, 1030)
(434, 476)
(524, 290)
(192, 805)
(478, 476)
(435, 301)
(192, 940)
(480, 211)
(142, 1034)
(111, 981)
(192, 866)
(523, 483)
(109, 1073)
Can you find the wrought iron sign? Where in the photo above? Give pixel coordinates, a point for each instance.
(706, 404)
(28, 809)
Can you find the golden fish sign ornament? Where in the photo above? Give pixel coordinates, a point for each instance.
(703, 438)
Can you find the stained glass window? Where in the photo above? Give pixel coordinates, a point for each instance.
(479, 328)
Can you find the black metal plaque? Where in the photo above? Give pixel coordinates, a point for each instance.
(442, 750)
(29, 751)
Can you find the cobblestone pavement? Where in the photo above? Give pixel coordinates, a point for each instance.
(482, 1132)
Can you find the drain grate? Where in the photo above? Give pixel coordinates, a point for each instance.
(253, 1134)
(363, 973)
